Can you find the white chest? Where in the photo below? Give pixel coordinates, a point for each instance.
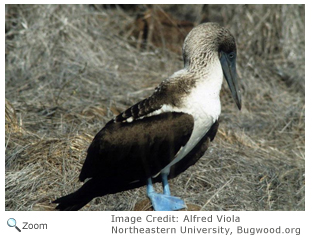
(203, 104)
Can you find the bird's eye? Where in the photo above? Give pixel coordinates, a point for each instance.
(231, 55)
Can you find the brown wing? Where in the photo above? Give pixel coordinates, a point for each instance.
(137, 150)
(169, 93)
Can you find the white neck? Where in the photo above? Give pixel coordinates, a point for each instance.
(203, 103)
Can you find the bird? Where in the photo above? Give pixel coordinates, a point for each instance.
(164, 134)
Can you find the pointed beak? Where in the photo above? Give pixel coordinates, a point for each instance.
(228, 63)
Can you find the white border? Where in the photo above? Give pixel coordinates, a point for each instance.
(87, 226)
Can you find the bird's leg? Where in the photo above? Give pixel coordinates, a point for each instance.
(163, 202)
(150, 187)
(165, 184)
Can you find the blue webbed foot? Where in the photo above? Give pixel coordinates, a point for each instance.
(164, 202)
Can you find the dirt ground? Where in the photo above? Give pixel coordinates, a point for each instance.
(71, 68)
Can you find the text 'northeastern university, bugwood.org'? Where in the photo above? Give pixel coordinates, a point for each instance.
(192, 224)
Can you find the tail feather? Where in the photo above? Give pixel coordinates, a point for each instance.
(91, 189)
(80, 198)
(71, 202)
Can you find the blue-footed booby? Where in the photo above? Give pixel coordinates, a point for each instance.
(163, 135)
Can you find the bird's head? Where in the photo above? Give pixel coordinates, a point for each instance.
(208, 42)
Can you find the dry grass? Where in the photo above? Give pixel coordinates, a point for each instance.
(70, 69)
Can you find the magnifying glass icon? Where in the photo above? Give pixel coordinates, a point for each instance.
(12, 223)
